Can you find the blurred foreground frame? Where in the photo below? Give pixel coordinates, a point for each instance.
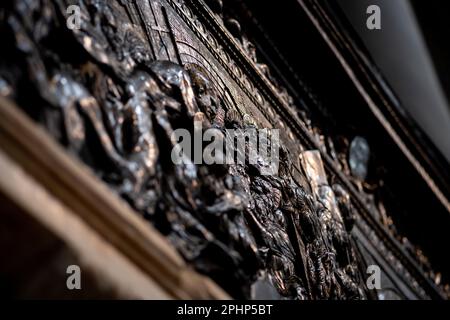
(86, 116)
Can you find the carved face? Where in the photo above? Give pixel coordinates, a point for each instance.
(204, 91)
(176, 79)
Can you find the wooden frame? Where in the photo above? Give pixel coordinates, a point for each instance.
(70, 201)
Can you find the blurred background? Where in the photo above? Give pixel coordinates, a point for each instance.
(413, 53)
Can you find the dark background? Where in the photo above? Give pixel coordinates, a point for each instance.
(413, 52)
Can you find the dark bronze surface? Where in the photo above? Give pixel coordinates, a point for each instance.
(114, 91)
